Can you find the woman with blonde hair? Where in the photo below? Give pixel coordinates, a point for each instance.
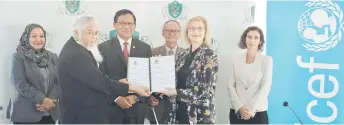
(196, 75)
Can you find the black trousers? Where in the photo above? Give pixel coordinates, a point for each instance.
(259, 118)
(163, 119)
(44, 120)
(117, 115)
(182, 113)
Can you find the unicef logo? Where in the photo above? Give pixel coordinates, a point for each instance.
(320, 25)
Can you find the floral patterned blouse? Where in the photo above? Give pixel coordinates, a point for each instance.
(199, 93)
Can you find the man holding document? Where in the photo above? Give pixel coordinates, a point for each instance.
(124, 109)
(82, 84)
(171, 33)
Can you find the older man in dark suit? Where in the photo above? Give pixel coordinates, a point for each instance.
(84, 87)
(171, 33)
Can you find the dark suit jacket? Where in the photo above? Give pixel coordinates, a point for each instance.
(27, 79)
(164, 106)
(84, 86)
(115, 66)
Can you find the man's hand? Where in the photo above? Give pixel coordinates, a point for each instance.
(131, 99)
(153, 101)
(125, 81)
(123, 103)
(140, 90)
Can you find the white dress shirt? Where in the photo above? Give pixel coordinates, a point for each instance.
(249, 84)
(121, 41)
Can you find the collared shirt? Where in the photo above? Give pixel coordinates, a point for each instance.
(168, 49)
(121, 41)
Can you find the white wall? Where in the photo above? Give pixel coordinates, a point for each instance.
(260, 18)
(225, 19)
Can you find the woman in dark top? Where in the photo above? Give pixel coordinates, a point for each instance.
(34, 77)
(196, 73)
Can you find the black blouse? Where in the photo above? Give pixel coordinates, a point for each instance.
(184, 71)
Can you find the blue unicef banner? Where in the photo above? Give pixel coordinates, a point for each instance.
(305, 40)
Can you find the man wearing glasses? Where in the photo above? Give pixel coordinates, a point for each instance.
(124, 109)
(171, 33)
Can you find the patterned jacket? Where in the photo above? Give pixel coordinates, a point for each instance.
(200, 86)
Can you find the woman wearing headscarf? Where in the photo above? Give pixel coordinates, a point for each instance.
(34, 78)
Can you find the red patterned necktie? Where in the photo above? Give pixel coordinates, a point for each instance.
(125, 51)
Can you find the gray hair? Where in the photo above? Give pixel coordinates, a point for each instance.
(82, 21)
(168, 21)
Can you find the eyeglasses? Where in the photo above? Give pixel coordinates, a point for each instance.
(123, 24)
(172, 31)
(193, 29)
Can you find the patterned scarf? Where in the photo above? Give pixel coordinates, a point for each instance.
(40, 57)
